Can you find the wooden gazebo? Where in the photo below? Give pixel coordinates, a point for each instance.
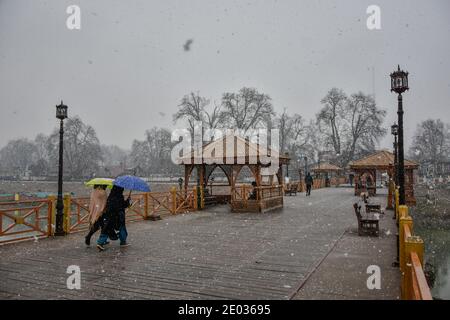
(328, 171)
(258, 158)
(366, 173)
(327, 168)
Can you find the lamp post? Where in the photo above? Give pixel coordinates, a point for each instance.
(306, 165)
(286, 154)
(394, 131)
(399, 84)
(61, 114)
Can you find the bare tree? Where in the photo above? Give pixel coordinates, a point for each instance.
(152, 155)
(331, 118)
(293, 132)
(216, 118)
(113, 155)
(17, 156)
(431, 144)
(82, 153)
(350, 126)
(365, 124)
(247, 109)
(192, 109)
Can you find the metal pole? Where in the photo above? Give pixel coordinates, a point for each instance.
(306, 166)
(60, 204)
(395, 160)
(401, 162)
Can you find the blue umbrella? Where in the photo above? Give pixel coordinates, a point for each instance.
(132, 183)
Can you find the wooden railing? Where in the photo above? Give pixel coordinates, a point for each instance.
(243, 191)
(27, 219)
(414, 284)
(246, 198)
(32, 219)
(301, 186)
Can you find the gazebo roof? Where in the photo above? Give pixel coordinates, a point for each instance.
(325, 167)
(245, 152)
(380, 160)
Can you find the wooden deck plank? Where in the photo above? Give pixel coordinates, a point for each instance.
(212, 254)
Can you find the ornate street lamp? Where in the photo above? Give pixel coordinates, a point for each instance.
(394, 132)
(399, 84)
(61, 114)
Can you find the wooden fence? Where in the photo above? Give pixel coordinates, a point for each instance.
(33, 219)
(246, 198)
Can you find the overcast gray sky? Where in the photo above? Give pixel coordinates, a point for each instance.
(125, 70)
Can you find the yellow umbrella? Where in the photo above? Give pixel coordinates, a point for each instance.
(100, 181)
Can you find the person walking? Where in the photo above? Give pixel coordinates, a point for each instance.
(97, 205)
(309, 182)
(114, 218)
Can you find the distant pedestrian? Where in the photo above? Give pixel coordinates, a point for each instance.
(253, 195)
(309, 182)
(97, 205)
(114, 218)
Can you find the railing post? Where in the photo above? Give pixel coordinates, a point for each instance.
(195, 198)
(244, 196)
(173, 191)
(403, 211)
(202, 197)
(146, 215)
(51, 211)
(412, 244)
(16, 198)
(406, 221)
(67, 222)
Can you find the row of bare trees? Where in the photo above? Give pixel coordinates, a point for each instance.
(83, 153)
(346, 127)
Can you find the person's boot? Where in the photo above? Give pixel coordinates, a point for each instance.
(87, 239)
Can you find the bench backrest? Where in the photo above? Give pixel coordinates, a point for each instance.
(357, 211)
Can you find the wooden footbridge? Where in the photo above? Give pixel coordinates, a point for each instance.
(309, 249)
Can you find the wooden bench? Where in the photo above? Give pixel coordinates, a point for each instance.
(291, 189)
(371, 207)
(366, 226)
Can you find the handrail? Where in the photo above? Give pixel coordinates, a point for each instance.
(414, 285)
(421, 291)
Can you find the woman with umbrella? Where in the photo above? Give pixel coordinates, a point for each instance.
(97, 205)
(114, 216)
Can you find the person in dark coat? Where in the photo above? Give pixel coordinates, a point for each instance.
(114, 218)
(309, 182)
(253, 195)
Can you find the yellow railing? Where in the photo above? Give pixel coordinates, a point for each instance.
(414, 285)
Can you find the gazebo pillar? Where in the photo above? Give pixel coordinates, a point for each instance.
(187, 175)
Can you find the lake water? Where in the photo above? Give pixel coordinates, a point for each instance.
(437, 252)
